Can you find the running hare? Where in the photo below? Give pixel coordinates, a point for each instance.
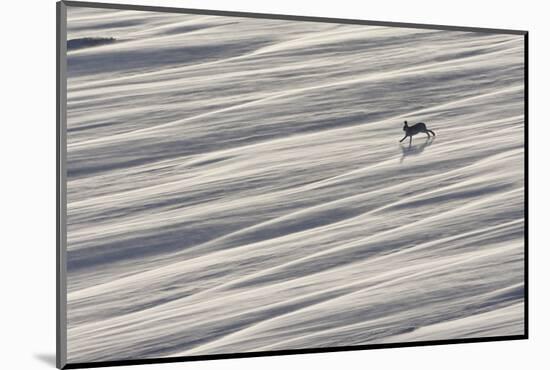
(410, 131)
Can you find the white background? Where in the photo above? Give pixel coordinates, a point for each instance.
(27, 155)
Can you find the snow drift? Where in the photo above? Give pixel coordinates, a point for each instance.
(237, 185)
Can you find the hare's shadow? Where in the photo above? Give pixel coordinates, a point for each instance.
(408, 150)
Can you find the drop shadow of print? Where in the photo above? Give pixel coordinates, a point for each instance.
(411, 150)
(46, 358)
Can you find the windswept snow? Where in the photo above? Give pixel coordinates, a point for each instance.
(237, 185)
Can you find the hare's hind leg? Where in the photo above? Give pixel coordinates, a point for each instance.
(431, 132)
(404, 137)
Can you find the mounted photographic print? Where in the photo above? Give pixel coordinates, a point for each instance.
(238, 184)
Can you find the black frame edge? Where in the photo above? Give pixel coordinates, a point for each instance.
(61, 335)
(526, 184)
(289, 352)
(287, 17)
